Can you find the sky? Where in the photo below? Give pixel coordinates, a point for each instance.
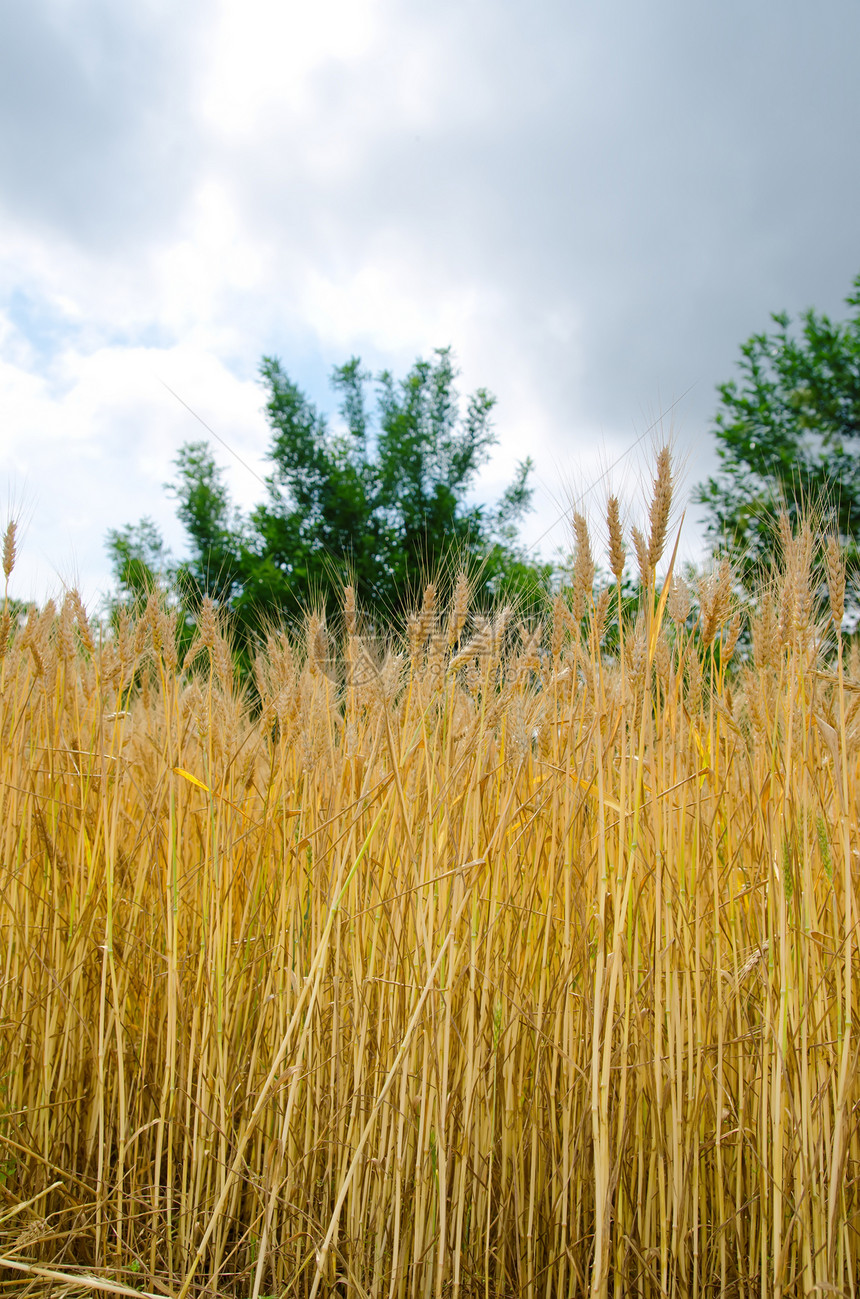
(593, 205)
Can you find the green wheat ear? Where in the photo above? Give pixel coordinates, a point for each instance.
(497, 1024)
(824, 848)
(787, 867)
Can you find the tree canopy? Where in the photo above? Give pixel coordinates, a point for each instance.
(788, 435)
(379, 501)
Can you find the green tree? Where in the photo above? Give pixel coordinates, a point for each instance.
(139, 559)
(214, 530)
(381, 502)
(788, 435)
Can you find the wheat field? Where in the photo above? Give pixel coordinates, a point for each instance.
(475, 960)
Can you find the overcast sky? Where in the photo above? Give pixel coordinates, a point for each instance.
(593, 204)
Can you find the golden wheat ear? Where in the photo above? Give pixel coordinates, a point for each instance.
(9, 548)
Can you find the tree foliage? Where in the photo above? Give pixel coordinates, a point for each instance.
(788, 434)
(380, 500)
(139, 558)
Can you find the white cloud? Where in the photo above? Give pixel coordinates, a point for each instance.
(263, 58)
(91, 448)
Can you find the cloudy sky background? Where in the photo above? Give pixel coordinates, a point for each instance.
(593, 204)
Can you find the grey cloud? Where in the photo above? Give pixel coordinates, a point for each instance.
(674, 172)
(96, 116)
